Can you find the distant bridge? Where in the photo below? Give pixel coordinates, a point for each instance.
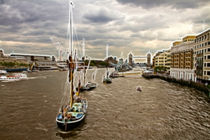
(140, 57)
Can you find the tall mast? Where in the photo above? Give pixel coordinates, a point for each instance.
(85, 71)
(83, 47)
(71, 49)
(84, 74)
(107, 51)
(107, 56)
(71, 27)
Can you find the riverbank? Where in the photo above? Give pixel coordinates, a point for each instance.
(191, 84)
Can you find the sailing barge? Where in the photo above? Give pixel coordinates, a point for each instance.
(72, 114)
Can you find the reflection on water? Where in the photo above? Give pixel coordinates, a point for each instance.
(116, 111)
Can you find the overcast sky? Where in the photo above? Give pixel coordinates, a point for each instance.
(33, 26)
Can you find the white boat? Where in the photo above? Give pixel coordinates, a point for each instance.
(3, 72)
(13, 77)
(90, 85)
(106, 78)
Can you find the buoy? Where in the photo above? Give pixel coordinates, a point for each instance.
(139, 89)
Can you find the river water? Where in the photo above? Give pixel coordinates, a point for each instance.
(117, 111)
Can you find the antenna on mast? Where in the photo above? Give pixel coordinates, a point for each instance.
(107, 51)
(71, 6)
(83, 47)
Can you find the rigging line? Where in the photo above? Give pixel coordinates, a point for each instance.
(64, 97)
(78, 43)
(77, 40)
(68, 38)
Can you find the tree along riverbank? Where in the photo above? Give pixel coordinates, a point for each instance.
(13, 65)
(191, 84)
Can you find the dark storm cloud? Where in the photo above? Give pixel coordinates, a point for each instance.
(179, 4)
(203, 18)
(1, 1)
(101, 16)
(17, 12)
(32, 21)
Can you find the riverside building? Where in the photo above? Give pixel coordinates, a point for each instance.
(1, 53)
(162, 59)
(202, 56)
(130, 59)
(149, 55)
(182, 64)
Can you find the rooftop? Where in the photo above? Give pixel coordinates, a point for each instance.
(200, 34)
(22, 54)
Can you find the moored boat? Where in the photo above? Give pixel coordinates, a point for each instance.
(13, 77)
(16, 69)
(89, 85)
(107, 78)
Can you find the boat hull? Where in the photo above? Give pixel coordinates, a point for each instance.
(69, 126)
(88, 87)
(91, 88)
(17, 70)
(107, 81)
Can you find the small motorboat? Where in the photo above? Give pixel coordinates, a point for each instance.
(139, 89)
(13, 77)
(88, 86)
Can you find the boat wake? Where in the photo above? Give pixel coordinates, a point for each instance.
(41, 127)
(8, 81)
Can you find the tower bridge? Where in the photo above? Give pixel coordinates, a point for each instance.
(140, 59)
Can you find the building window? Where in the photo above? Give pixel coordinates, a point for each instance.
(204, 72)
(208, 72)
(208, 49)
(208, 56)
(208, 64)
(209, 43)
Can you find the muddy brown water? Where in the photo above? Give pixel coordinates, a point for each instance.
(116, 111)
